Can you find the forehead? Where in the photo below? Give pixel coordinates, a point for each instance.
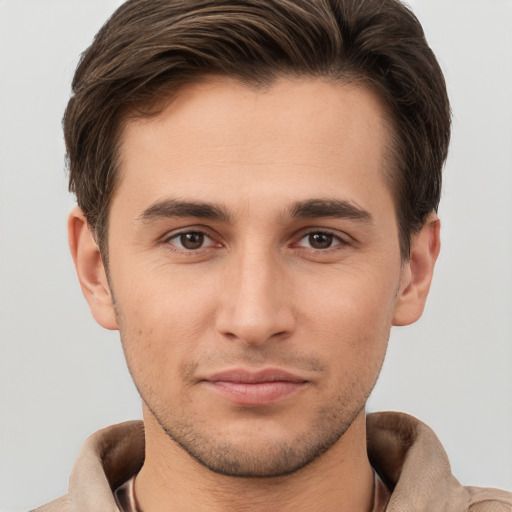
(304, 137)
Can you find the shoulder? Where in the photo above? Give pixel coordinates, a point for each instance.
(107, 459)
(62, 504)
(410, 459)
(483, 499)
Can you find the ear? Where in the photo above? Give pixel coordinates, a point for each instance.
(90, 269)
(417, 273)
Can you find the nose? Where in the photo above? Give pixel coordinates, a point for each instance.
(256, 300)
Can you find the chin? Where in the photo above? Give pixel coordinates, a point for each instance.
(256, 450)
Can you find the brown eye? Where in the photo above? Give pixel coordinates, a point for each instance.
(192, 240)
(320, 240)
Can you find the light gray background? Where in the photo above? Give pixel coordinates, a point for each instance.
(62, 377)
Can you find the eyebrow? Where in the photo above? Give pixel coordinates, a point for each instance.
(334, 208)
(309, 209)
(175, 208)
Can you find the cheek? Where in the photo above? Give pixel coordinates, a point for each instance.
(350, 321)
(162, 296)
(161, 323)
(352, 300)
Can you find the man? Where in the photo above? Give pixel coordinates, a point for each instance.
(257, 185)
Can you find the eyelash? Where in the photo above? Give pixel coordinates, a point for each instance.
(179, 234)
(336, 241)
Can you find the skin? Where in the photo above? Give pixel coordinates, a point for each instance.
(292, 262)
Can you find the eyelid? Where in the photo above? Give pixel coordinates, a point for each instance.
(344, 238)
(176, 233)
(192, 228)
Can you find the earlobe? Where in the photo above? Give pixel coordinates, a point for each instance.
(90, 270)
(417, 273)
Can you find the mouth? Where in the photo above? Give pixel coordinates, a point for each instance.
(249, 388)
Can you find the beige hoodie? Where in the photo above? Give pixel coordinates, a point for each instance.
(405, 453)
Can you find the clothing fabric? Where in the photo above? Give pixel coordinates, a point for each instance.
(404, 452)
(127, 502)
(125, 496)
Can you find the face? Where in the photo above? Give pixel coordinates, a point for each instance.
(254, 264)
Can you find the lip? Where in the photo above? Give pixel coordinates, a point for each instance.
(263, 387)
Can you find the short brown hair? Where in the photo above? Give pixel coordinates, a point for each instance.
(148, 49)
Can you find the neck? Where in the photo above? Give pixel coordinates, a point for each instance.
(340, 480)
